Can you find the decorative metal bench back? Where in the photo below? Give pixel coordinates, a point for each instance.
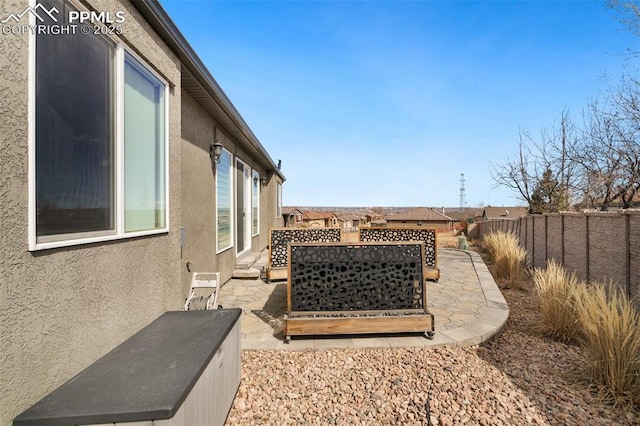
(357, 277)
(279, 238)
(384, 234)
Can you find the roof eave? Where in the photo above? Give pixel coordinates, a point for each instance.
(160, 21)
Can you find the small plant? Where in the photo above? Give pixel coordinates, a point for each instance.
(507, 254)
(611, 337)
(556, 290)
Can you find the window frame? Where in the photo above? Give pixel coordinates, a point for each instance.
(255, 184)
(118, 232)
(278, 200)
(231, 202)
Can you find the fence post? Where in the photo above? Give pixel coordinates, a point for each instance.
(562, 239)
(588, 266)
(546, 238)
(533, 241)
(627, 252)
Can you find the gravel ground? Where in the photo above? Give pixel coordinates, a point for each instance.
(517, 379)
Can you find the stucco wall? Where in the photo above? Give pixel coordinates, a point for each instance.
(61, 309)
(199, 199)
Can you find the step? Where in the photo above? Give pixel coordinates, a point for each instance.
(247, 261)
(246, 274)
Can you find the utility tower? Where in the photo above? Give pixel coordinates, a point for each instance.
(462, 200)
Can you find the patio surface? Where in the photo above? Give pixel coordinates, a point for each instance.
(467, 305)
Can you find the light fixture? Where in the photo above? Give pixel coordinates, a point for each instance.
(215, 150)
(263, 180)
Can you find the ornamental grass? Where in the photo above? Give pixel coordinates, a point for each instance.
(610, 329)
(556, 291)
(507, 254)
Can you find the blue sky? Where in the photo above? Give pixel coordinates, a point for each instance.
(386, 103)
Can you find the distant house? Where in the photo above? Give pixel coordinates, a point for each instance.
(348, 220)
(421, 216)
(461, 218)
(312, 219)
(464, 215)
(292, 217)
(493, 213)
(374, 219)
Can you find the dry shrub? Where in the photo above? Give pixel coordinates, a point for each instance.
(556, 292)
(610, 325)
(507, 254)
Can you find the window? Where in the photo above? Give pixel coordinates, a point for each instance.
(255, 203)
(224, 200)
(144, 154)
(279, 200)
(98, 144)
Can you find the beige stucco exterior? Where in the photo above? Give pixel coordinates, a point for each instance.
(61, 309)
(199, 198)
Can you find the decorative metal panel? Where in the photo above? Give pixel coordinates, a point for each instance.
(281, 237)
(356, 277)
(428, 236)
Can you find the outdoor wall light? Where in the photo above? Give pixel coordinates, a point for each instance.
(263, 180)
(215, 150)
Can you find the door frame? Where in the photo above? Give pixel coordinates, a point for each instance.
(243, 200)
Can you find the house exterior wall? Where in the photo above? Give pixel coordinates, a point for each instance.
(316, 223)
(61, 309)
(199, 198)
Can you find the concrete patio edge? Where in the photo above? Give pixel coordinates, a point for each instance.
(491, 322)
(487, 320)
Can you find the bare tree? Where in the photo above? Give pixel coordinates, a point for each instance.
(542, 173)
(519, 173)
(628, 14)
(557, 145)
(626, 98)
(609, 153)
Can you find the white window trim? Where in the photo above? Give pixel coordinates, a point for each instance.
(255, 173)
(278, 200)
(232, 188)
(247, 194)
(117, 233)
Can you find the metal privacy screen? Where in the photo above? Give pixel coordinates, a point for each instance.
(428, 236)
(281, 237)
(356, 277)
